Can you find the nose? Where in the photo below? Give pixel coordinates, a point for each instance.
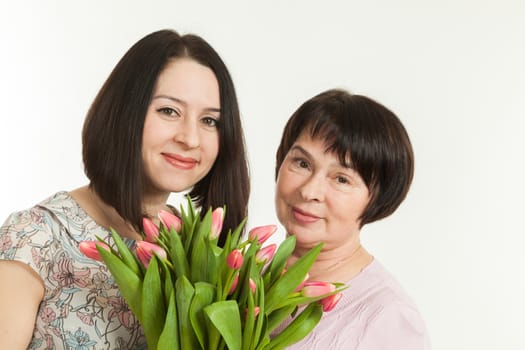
(187, 133)
(313, 188)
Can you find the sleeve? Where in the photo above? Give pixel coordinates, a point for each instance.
(27, 237)
(397, 326)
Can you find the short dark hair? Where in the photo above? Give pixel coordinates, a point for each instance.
(364, 132)
(112, 133)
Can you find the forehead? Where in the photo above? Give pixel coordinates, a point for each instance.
(319, 147)
(185, 70)
(190, 81)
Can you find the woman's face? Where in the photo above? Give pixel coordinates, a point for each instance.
(181, 135)
(317, 198)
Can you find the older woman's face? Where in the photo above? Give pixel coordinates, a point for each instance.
(317, 198)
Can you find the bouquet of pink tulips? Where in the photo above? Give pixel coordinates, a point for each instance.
(189, 293)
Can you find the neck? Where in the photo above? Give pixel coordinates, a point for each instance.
(102, 213)
(337, 264)
(153, 203)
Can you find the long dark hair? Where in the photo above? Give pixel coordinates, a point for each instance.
(112, 133)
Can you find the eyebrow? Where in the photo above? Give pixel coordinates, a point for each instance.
(309, 155)
(302, 150)
(174, 99)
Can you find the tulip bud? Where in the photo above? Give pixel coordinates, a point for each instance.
(170, 220)
(256, 311)
(262, 233)
(150, 230)
(235, 259)
(330, 302)
(266, 254)
(315, 289)
(89, 249)
(301, 285)
(217, 218)
(253, 286)
(145, 251)
(234, 284)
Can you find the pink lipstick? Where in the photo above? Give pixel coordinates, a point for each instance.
(180, 162)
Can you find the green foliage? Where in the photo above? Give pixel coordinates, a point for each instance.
(184, 301)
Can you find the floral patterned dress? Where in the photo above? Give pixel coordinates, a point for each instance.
(82, 308)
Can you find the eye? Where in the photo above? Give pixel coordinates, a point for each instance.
(300, 163)
(211, 122)
(342, 180)
(168, 111)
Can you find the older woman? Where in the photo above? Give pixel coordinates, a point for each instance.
(345, 161)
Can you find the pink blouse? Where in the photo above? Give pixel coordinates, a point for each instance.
(373, 314)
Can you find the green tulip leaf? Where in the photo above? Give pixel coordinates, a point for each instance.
(225, 317)
(278, 316)
(130, 285)
(153, 306)
(204, 294)
(291, 279)
(262, 322)
(168, 282)
(199, 261)
(236, 235)
(169, 338)
(178, 256)
(128, 258)
(279, 260)
(303, 324)
(249, 323)
(184, 295)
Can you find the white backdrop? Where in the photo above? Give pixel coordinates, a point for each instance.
(452, 70)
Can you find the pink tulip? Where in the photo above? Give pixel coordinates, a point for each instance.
(170, 220)
(266, 254)
(145, 251)
(301, 285)
(256, 311)
(234, 284)
(253, 286)
(150, 230)
(262, 233)
(235, 259)
(217, 218)
(315, 289)
(330, 302)
(89, 249)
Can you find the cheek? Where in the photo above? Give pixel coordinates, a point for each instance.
(212, 146)
(280, 186)
(286, 187)
(153, 132)
(350, 209)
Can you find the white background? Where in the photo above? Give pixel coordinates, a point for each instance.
(454, 71)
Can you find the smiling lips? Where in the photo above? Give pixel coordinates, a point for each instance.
(304, 217)
(179, 161)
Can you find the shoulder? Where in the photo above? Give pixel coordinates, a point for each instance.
(38, 216)
(24, 232)
(391, 319)
(396, 326)
(376, 287)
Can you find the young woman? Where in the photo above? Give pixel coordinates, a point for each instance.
(345, 161)
(166, 120)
